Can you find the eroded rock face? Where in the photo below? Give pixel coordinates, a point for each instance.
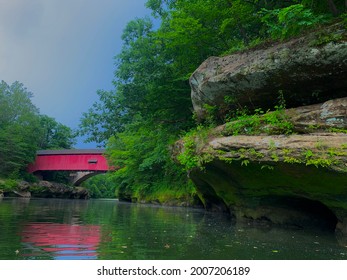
(287, 194)
(297, 180)
(305, 70)
(330, 114)
(324, 117)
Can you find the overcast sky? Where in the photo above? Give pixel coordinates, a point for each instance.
(62, 50)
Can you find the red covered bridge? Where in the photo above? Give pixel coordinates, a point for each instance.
(84, 163)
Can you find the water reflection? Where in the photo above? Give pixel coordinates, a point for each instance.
(107, 229)
(62, 241)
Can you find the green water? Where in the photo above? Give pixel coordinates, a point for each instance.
(108, 229)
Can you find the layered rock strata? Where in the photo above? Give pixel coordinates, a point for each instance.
(306, 70)
(258, 175)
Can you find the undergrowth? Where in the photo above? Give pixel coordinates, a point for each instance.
(260, 122)
(194, 142)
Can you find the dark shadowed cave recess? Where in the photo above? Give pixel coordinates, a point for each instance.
(295, 211)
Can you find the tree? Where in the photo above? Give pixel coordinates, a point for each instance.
(23, 130)
(150, 105)
(55, 135)
(19, 123)
(145, 85)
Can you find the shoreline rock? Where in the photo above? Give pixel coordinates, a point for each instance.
(46, 189)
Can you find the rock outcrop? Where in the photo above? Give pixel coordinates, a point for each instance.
(306, 70)
(327, 115)
(330, 116)
(293, 181)
(58, 190)
(253, 168)
(44, 189)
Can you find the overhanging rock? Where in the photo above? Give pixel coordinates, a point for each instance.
(307, 70)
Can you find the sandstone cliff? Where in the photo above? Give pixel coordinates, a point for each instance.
(286, 167)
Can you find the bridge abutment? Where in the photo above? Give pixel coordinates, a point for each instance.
(76, 178)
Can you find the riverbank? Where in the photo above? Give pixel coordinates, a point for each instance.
(164, 196)
(40, 189)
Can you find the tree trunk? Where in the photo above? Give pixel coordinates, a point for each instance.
(333, 8)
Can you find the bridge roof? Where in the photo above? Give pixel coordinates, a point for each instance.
(71, 152)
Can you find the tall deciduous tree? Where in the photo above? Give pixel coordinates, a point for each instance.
(23, 130)
(19, 123)
(55, 135)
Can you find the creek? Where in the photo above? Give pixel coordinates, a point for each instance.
(108, 229)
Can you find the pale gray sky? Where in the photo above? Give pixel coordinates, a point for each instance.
(62, 50)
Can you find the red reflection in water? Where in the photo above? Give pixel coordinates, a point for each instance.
(63, 239)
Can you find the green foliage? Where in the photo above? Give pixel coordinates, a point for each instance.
(324, 37)
(8, 185)
(243, 155)
(344, 18)
(104, 119)
(255, 154)
(150, 105)
(320, 156)
(266, 166)
(289, 21)
(194, 142)
(28, 177)
(211, 118)
(338, 130)
(292, 160)
(142, 154)
(19, 124)
(320, 162)
(275, 157)
(37, 190)
(275, 122)
(55, 135)
(188, 157)
(308, 154)
(101, 186)
(23, 130)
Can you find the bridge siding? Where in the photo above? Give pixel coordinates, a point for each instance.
(68, 162)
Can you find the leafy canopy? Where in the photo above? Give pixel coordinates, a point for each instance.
(23, 130)
(150, 105)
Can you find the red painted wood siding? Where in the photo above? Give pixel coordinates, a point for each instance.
(80, 162)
